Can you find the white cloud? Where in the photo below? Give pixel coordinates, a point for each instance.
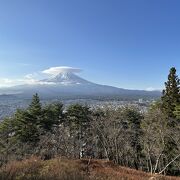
(34, 78)
(29, 81)
(5, 82)
(152, 89)
(29, 76)
(35, 82)
(56, 70)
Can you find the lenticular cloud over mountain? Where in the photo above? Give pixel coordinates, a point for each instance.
(64, 83)
(61, 69)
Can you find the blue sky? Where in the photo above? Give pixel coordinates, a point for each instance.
(124, 43)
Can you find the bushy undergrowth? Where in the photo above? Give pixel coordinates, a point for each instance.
(36, 169)
(64, 169)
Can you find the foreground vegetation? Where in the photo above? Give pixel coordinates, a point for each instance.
(147, 141)
(64, 169)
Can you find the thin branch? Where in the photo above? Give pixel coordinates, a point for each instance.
(169, 164)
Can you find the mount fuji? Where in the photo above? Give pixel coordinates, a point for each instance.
(67, 78)
(69, 85)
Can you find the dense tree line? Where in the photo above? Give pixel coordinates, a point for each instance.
(148, 141)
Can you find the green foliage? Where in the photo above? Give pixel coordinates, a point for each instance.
(6, 130)
(124, 135)
(170, 106)
(27, 122)
(171, 94)
(6, 126)
(79, 118)
(35, 108)
(134, 119)
(26, 126)
(78, 115)
(52, 116)
(177, 112)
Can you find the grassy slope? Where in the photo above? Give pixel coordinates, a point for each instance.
(63, 169)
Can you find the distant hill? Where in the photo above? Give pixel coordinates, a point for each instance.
(67, 84)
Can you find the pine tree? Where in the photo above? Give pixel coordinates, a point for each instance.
(27, 122)
(78, 116)
(52, 116)
(170, 100)
(35, 108)
(26, 127)
(177, 112)
(171, 94)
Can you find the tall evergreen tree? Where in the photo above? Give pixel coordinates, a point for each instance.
(171, 94)
(52, 116)
(170, 100)
(177, 111)
(27, 122)
(26, 127)
(79, 116)
(35, 108)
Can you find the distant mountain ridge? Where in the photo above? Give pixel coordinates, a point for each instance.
(67, 84)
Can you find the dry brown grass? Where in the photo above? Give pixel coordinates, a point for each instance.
(36, 169)
(64, 169)
(100, 169)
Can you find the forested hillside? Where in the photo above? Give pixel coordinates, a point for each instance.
(147, 141)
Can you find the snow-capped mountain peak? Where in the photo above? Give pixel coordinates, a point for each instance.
(66, 78)
(67, 84)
